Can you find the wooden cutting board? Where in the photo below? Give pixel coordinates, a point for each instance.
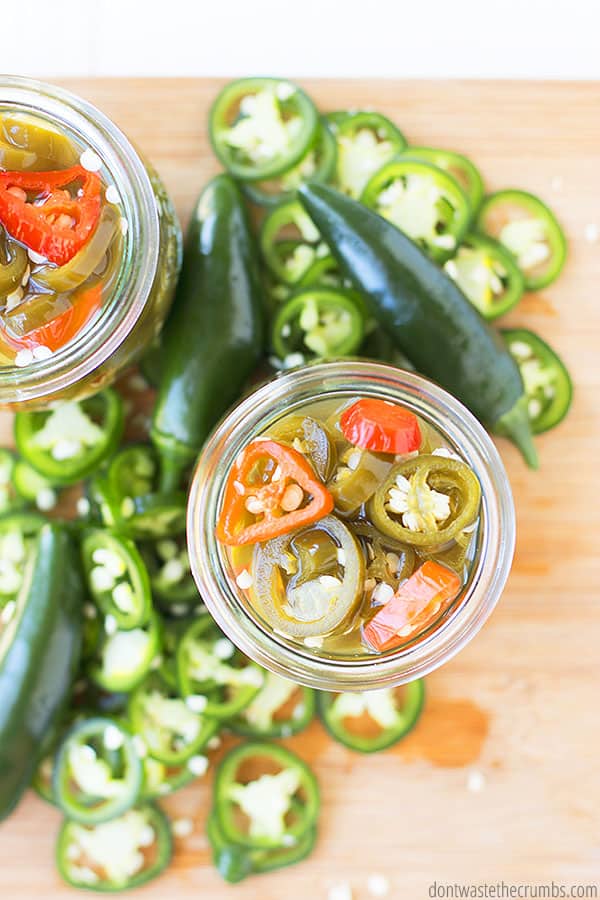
(516, 714)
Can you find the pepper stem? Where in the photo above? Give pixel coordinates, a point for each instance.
(515, 425)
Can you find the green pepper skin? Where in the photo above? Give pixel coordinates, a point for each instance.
(39, 653)
(428, 315)
(213, 338)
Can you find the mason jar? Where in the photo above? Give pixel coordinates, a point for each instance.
(141, 289)
(229, 605)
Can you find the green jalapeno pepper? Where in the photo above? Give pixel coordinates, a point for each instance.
(27, 144)
(280, 709)
(460, 167)
(487, 274)
(303, 591)
(309, 437)
(548, 385)
(291, 245)
(526, 227)
(117, 578)
(69, 441)
(118, 855)
(317, 164)
(318, 321)
(40, 639)
(173, 730)
(234, 862)
(261, 127)
(13, 265)
(128, 498)
(208, 663)
(426, 501)
(280, 805)
(98, 773)
(366, 141)
(426, 313)
(424, 202)
(213, 338)
(123, 658)
(370, 721)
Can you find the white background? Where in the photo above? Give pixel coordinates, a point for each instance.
(394, 38)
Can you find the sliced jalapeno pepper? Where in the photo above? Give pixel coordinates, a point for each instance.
(309, 437)
(424, 202)
(168, 565)
(275, 790)
(118, 855)
(17, 538)
(280, 709)
(124, 658)
(369, 721)
(128, 498)
(357, 478)
(548, 385)
(234, 862)
(209, 663)
(487, 274)
(526, 227)
(426, 501)
(261, 127)
(117, 578)
(306, 592)
(13, 265)
(26, 144)
(320, 322)
(173, 730)
(70, 440)
(291, 245)
(10, 499)
(317, 164)
(98, 773)
(366, 141)
(160, 779)
(33, 487)
(460, 167)
(387, 559)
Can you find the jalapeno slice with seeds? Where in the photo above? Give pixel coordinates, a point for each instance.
(172, 729)
(98, 773)
(309, 583)
(366, 141)
(123, 658)
(69, 441)
(13, 265)
(423, 201)
(426, 501)
(280, 709)
(117, 578)
(320, 322)
(168, 566)
(487, 274)
(273, 787)
(370, 721)
(18, 531)
(318, 164)
(529, 230)
(10, 498)
(291, 246)
(460, 167)
(118, 855)
(547, 382)
(208, 663)
(261, 127)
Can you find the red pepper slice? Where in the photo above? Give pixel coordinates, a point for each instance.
(417, 603)
(381, 426)
(50, 220)
(63, 327)
(261, 495)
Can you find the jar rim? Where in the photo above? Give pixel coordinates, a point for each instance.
(96, 344)
(491, 566)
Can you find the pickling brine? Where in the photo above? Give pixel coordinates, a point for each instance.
(351, 526)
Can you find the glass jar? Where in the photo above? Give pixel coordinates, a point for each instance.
(229, 605)
(133, 314)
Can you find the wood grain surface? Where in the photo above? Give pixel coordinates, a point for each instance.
(516, 714)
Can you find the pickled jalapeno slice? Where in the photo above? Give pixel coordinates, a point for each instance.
(309, 437)
(426, 501)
